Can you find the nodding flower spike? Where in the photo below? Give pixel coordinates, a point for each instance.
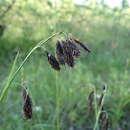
(74, 49)
(60, 52)
(27, 106)
(84, 46)
(70, 60)
(104, 121)
(66, 51)
(68, 54)
(53, 61)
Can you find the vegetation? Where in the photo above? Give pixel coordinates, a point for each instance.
(61, 100)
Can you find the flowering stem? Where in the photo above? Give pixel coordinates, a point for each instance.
(12, 77)
(96, 127)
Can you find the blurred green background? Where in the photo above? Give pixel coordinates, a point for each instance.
(23, 23)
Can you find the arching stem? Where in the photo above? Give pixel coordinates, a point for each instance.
(12, 77)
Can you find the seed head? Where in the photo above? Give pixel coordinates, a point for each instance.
(68, 54)
(27, 106)
(60, 52)
(53, 62)
(84, 46)
(73, 48)
(66, 51)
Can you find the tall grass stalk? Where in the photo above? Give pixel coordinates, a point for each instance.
(9, 80)
(13, 74)
(99, 110)
(57, 85)
(57, 104)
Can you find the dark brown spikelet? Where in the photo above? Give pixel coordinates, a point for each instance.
(74, 49)
(104, 121)
(84, 46)
(53, 62)
(68, 54)
(90, 102)
(60, 52)
(27, 106)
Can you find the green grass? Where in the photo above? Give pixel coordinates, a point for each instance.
(60, 98)
(74, 86)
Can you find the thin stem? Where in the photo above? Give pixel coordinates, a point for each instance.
(64, 34)
(57, 86)
(7, 9)
(99, 110)
(95, 105)
(57, 105)
(24, 61)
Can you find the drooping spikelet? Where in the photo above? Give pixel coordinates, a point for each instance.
(53, 61)
(67, 50)
(27, 106)
(68, 54)
(74, 49)
(84, 46)
(104, 121)
(60, 52)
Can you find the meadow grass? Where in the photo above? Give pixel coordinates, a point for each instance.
(74, 85)
(60, 98)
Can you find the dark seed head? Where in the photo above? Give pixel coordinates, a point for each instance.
(68, 54)
(53, 62)
(104, 87)
(66, 51)
(60, 52)
(84, 46)
(74, 49)
(27, 106)
(104, 121)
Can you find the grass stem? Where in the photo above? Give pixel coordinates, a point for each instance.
(12, 76)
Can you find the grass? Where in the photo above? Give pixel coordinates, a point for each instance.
(60, 99)
(75, 85)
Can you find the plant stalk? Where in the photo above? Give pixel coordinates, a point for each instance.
(7, 86)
